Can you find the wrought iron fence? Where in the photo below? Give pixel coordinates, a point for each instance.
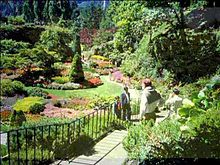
(47, 143)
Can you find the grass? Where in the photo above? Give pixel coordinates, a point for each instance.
(107, 89)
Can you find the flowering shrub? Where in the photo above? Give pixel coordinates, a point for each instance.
(117, 76)
(66, 86)
(95, 81)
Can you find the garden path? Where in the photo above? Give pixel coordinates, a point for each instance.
(108, 151)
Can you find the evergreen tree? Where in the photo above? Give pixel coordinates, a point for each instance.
(76, 72)
(75, 11)
(53, 11)
(27, 11)
(66, 9)
(36, 10)
(45, 11)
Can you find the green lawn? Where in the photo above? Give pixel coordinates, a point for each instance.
(107, 89)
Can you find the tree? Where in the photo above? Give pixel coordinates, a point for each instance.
(28, 11)
(53, 11)
(36, 10)
(66, 9)
(45, 11)
(76, 72)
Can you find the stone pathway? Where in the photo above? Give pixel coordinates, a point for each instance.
(108, 151)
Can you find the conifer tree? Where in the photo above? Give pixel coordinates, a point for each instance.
(66, 9)
(76, 73)
(27, 11)
(53, 11)
(45, 11)
(36, 10)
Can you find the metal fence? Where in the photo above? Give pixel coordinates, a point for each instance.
(47, 143)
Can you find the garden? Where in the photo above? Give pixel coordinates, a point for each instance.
(64, 62)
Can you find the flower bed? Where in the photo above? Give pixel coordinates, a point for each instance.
(52, 111)
(65, 86)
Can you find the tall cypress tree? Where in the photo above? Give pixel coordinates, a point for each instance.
(46, 11)
(27, 11)
(53, 11)
(76, 73)
(66, 9)
(36, 10)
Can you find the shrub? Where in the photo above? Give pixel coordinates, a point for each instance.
(26, 103)
(202, 138)
(60, 80)
(18, 87)
(37, 92)
(17, 118)
(5, 115)
(18, 20)
(3, 150)
(10, 88)
(95, 81)
(7, 88)
(76, 73)
(36, 108)
(97, 57)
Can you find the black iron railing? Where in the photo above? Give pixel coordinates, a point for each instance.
(47, 143)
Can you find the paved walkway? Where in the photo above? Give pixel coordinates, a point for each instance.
(108, 151)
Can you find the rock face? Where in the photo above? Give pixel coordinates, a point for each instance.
(22, 33)
(204, 18)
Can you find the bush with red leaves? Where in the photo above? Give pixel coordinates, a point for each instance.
(95, 81)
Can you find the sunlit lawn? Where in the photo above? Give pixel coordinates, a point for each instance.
(107, 89)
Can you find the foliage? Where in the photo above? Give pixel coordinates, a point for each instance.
(9, 46)
(3, 150)
(37, 57)
(28, 12)
(60, 80)
(76, 72)
(36, 91)
(36, 108)
(5, 114)
(171, 140)
(100, 102)
(185, 68)
(207, 98)
(97, 57)
(10, 88)
(26, 103)
(102, 37)
(56, 40)
(95, 81)
(18, 20)
(91, 16)
(186, 136)
(17, 118)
